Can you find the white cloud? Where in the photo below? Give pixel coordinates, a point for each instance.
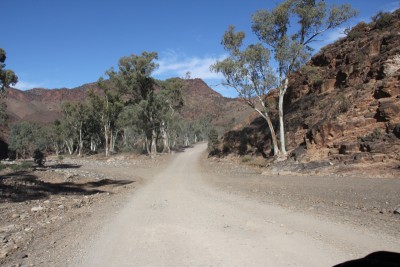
(24, 85)
(174, 64)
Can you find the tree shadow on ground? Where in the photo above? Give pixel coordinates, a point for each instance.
(64, 166)
(179, 149)
(254, 138)
(23, 186)
(376, 259)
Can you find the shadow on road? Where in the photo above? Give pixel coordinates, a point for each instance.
(22, 186)
(376, 259)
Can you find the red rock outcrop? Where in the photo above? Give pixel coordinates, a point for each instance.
(345, 103)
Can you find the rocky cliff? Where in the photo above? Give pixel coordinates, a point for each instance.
(344, 104)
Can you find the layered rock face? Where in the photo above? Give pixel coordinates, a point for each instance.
(346, 102)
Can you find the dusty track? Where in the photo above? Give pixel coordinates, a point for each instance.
(177, 219)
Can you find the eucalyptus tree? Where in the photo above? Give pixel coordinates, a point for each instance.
(133, 80)
(292, 48)
(129, 125)
(76, 118)
(248, 71)
(55, 136)
(22, 138)
(94, 134)
(170, 103)
(106, 107)
(286, 32)
(7, 78)
(69, 135)
(26, 137)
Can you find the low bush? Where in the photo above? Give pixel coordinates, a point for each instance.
(246, 159)
(2, 167)
(382, 19)
(25, 165)
(38, 157)
(344, 104)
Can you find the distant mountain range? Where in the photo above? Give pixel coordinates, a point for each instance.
(44, 105)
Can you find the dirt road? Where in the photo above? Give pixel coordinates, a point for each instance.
(179, 220)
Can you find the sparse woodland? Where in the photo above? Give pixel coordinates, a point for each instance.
(131, 112)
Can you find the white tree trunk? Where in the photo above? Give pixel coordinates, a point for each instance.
(281, 124)
(271, 129)
(273, 135)
(186, 142)
(93, 146)
(107, 139)
(56, 148)
(173, 143)
(153, 148)
(80, 145)
(113, 140)
(70, 145)
(164, 134)
(147, 145)
(125, 137)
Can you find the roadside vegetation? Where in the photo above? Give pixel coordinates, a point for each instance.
(285, 34)
(129, 112)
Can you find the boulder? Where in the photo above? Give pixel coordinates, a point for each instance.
(389, 110)
(299, 153)
(36, 209)
(397, 211)
(396, 131)
(349, 148)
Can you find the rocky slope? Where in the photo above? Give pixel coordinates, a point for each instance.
(345, 104)
(203, 102)
(39, 105)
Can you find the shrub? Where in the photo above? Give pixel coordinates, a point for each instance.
(38, 157)
(213, 141)
(353, 35)
(244, 139)
(357, 31)
(25, 165)
(382, 19)
(377, 133)
(312, 73)
(12, 154)
(246, 159)
(344, 103)
(2, 167)
(226, 149)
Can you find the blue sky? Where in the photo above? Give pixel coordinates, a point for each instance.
(60, 43)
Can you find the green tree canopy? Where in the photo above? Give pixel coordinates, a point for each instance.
(286, 33)
(7, 77)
